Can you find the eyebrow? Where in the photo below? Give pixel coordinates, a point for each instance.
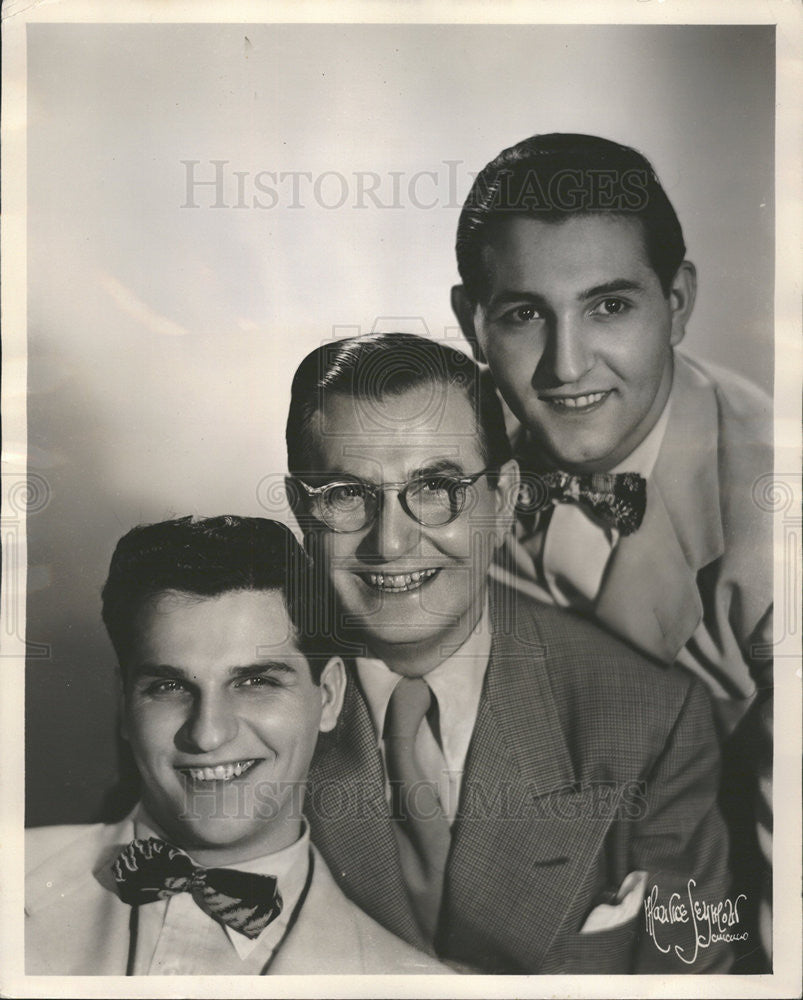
(606, 288)
(156, 670)
(434, 467)
(263, 666)
(166, 671)
(609, 287)
(438, 466)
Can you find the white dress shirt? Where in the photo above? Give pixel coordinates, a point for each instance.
(575, 549)
(457, 685)
(175, 936)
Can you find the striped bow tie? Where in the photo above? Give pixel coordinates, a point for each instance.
(618, 499)
(148, 870)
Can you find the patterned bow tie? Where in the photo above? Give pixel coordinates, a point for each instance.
(616, 499)
(148, 870)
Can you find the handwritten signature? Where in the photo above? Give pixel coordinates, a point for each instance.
(711, 922)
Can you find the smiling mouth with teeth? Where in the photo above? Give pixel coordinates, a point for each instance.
(220, 772)
(584, 402)
(398, 583)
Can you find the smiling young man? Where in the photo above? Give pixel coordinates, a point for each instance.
(576, 292)
(493, 789)
(225, 686)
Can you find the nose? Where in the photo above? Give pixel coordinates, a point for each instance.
(394, 532)
(212, 724)
(569, 348)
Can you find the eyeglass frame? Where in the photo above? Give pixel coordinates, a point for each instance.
(374, 490)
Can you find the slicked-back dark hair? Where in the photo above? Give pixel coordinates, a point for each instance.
(374, 367)
(208, 557)
(559, 175)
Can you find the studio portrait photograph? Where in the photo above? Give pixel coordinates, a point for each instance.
(401, 499)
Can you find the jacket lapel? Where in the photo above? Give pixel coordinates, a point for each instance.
(324, 938)
(519, 855)
(660, 612)
(350, 821)
(681, 532)
(76, 924)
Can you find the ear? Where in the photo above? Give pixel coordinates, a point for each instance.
(296, 502)
(333, 689)
(681, 300)
(507, 493)
(464, 311)
(292, 492)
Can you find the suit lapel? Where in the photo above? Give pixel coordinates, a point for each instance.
(323, 938)
(350, 821)
(76, 923)
(660, 612)
(681, 533)
(519, 855)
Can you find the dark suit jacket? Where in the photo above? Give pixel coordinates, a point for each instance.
(586, 763)
(703, 555)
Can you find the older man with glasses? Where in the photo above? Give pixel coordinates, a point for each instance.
(498, 789)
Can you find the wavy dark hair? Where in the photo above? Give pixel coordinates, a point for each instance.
(378, 366)
(208, 557)
(555, 176)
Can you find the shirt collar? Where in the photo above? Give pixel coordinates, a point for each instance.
(456, 682)
(288, 866)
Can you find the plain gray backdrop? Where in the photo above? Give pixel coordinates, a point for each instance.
(162, 337)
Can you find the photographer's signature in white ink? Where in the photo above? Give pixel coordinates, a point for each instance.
(711, 922)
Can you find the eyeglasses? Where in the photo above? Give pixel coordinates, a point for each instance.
(351, 505)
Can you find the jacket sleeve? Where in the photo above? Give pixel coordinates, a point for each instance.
(689, 917)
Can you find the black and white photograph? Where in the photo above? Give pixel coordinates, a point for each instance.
(401, 499)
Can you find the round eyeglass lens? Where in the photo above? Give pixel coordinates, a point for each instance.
(435, 502)
(343, 506)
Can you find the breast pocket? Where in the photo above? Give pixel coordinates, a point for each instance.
(604, 952)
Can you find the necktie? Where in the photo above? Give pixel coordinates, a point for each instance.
(618, 500)
(421, 829)
(148, 870)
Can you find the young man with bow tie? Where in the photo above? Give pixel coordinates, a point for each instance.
(499, 787)
(225, 686)
(642, 468)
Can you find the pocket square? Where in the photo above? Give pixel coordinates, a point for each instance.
(622, 908)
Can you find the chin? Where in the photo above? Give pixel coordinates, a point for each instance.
(224, 837)
(584, 459)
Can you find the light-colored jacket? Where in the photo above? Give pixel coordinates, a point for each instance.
(77, 925)
(703, 553)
